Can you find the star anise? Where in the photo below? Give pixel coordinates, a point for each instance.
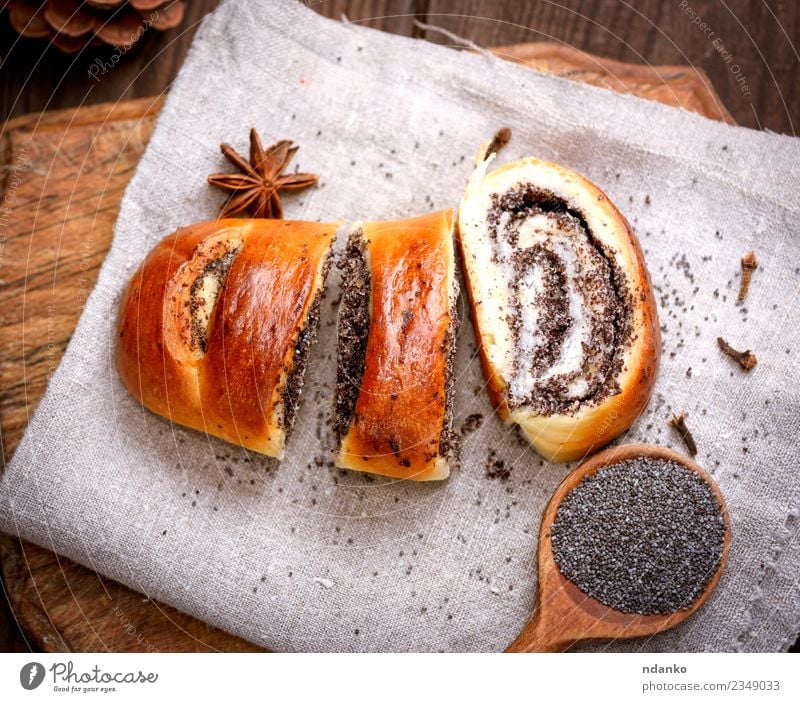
(257, 187)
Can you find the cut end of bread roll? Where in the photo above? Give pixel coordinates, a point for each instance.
(397, 327)
(215, 327)
(561, 303)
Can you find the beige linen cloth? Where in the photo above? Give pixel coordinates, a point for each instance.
(299, 556)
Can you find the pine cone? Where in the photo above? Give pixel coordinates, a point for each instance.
(72, 24)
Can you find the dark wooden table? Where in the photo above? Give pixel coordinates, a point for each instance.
(745, 47)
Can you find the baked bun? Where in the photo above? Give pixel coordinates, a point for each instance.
(397, 323)
(561, 303)
(215, 326)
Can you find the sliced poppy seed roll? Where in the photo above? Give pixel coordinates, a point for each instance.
(397, 324)
(215, 326)
(561, 303)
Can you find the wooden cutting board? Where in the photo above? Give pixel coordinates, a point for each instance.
(62, 179)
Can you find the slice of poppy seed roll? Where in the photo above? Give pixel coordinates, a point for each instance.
(215, 326)
(561, 303)
(397, 326)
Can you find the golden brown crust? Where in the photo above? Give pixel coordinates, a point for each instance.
(401, 412)
(567, 437)
(232, 384)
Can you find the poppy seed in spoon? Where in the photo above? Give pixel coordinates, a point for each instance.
(643, 536)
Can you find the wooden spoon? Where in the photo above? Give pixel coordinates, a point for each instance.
(564, 614)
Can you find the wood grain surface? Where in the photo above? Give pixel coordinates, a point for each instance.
(747, 47)
(75, 164)
(64, 174)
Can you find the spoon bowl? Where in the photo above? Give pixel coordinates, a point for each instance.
(564, 614)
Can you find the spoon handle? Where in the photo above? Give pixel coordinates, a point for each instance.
(537, 637)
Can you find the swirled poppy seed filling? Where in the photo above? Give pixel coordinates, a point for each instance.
(448, 441)
(306, 336)
(204, 293)
(567, 314)
(353, 331)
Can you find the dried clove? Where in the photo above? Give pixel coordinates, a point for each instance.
(501, 138)
(746, 359)
(749, 264)
(678, 422)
